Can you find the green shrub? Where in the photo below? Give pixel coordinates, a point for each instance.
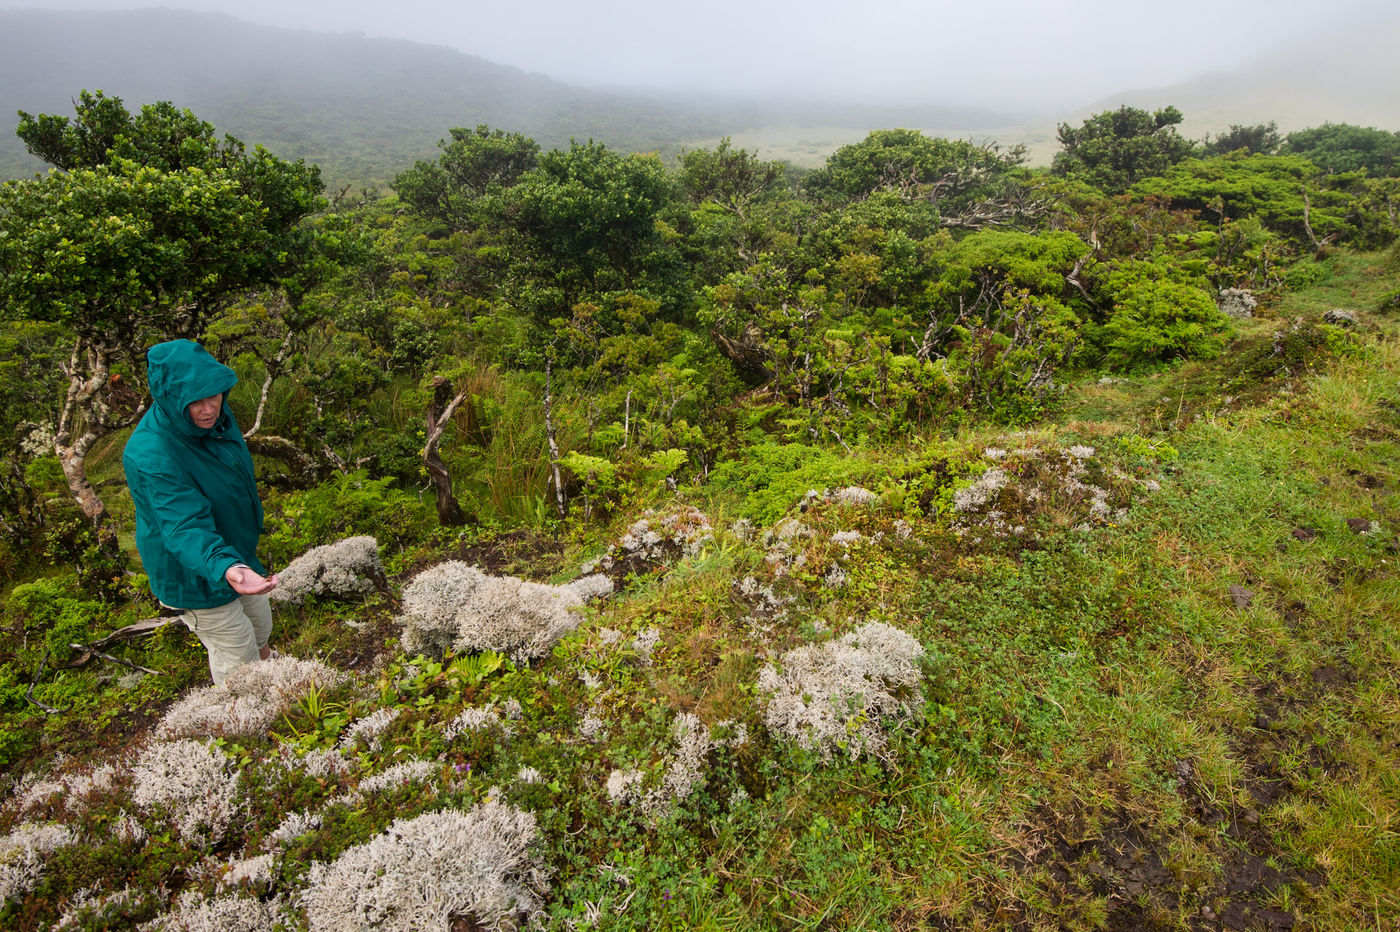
(346, 506)
(1160, 313)
(775, 476)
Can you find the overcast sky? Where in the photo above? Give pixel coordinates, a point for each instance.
(1051, 52)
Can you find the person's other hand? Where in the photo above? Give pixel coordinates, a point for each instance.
(246, 581)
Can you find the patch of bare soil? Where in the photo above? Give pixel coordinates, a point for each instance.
(358, 648)
(527, 554)
(1121, 861)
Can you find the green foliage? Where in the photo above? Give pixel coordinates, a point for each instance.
(730, 178)
(949, 174)
(1146, 448)
(772, 476)
(347, 506)
(587, 220)
(474, 165)
(1239, 193)
(1260, 138)
(1343, 147)
(1008, 320)
(1158, 314)
(1116, 148)
(149, 219)
(52, 609)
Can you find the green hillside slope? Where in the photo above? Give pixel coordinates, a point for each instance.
(363, 109)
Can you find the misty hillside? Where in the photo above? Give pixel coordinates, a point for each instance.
(362, 108)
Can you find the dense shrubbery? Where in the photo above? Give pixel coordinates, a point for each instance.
(796, 423)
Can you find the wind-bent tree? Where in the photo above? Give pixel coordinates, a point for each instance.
(1116, 148)
(969, 186)
(584, 222)
(1343, 147)
(475, 164)
(1259, 139)
(144, 229)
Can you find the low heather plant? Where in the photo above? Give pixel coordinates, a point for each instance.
(345, 569)
(457, 607)
(23, 853)
(195, 784)
(249, 701)
(840, 695)
(423, 873)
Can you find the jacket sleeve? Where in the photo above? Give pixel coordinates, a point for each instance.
(186, 522)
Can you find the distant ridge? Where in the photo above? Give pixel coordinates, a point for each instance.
(362, 108)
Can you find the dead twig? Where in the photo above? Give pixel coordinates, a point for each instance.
(141, 628)
(89, 651)
(29, 693)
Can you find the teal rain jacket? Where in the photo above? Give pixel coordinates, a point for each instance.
(197, 507)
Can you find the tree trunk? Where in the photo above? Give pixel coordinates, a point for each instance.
(440, 413)
(273, 367)
(559, 502)
(82, 422)
(87, 374)
(302, 468)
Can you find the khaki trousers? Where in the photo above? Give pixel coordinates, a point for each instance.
(233, 633)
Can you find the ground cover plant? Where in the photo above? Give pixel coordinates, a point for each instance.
(831, 559)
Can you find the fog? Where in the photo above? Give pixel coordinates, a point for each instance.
(1013, 54)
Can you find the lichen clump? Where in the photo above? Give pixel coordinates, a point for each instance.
(193, 782)
(453, 606)
(345, 569)
(844, 694)
(23, 853)
(253, 697)
(423, 873)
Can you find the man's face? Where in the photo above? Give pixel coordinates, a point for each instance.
(205, 411)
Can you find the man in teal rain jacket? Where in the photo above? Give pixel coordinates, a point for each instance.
(198, 517)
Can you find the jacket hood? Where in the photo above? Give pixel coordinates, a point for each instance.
(180, 373)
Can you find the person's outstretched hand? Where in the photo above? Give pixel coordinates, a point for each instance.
(246, 581)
